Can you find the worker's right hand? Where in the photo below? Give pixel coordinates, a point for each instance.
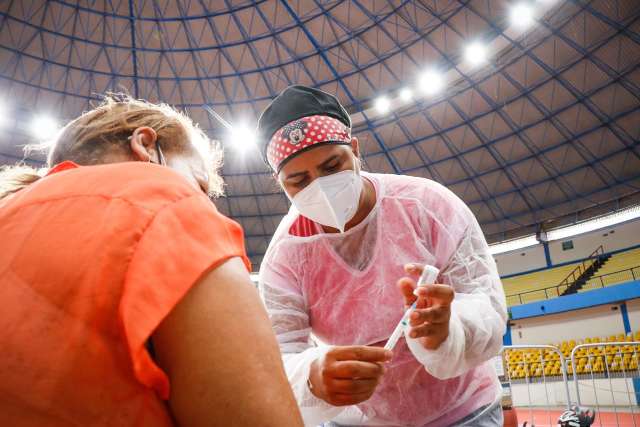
(347, 375)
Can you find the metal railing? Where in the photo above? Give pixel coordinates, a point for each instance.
(557, 290)
(532, 392)
(594, 282)
(626, 275)
(536, 295)
(608, 371)
(582, 268)
(605, 377)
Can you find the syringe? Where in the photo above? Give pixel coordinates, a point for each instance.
(428, 276)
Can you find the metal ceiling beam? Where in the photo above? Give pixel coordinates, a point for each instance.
(546, 117)
(356, 70)
(328, 63)
(134, 54)
(229, 60)
(516, 129)
(164, 19)
(488, 172)
(490, 101)
(580, 99)
(479, 187)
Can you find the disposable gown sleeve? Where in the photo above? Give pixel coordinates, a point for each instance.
(478, 312)
(290, 320)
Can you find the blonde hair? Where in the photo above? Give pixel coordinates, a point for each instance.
(90, 138)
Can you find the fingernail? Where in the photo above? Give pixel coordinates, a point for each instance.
(413, 334)
(388, 354)
(415, 315)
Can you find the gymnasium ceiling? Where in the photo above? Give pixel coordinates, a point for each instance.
(545, 131)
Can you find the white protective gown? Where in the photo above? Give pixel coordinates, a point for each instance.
(342, 289)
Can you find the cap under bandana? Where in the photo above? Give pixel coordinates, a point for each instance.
(300, 134)
(292, 105)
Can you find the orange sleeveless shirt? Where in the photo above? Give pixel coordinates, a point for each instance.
(91, 260)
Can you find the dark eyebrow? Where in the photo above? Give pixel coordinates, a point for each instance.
(296, 174)
(322, 165)
(329, 160)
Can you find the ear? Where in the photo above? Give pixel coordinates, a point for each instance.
(355, 146)
(143, 144)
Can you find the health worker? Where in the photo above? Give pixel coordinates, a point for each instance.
(335, 269)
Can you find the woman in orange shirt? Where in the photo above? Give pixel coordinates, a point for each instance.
(119, 247)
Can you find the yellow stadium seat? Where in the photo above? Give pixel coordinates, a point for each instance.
(602, 359)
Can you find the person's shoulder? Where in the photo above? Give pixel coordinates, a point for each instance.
(149, 174)
(413, 187)
(147, 183)
(142, 184)
(434, 197)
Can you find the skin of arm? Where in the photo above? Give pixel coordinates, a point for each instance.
(221, 356)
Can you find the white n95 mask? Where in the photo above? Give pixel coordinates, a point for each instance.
(331, 200)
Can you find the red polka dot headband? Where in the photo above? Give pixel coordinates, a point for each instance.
(299, 134)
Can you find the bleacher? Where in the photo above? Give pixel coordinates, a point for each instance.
(603, 359)
(621, 267)
(531, 287)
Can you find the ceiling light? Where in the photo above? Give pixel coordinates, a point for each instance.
(431, 82)
(594, 224)
(521, 15)
(406, 94)
(242, 137)
(475, 53)
(3, 114)
(382, 104)
(44, 127)
(513, 245)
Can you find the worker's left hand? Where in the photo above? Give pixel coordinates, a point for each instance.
(430, 319)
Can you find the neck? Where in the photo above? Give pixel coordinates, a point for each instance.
(365, 206)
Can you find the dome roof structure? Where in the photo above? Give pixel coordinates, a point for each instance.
(529, 111)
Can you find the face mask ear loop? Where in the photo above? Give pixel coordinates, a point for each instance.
(161, 159)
